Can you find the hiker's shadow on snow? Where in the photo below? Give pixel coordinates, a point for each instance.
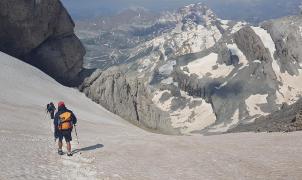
(89, 148)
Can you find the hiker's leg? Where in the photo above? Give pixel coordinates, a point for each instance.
(68, 147)
(60, 144)
(52, 114)
(68, 139)
(60, 136)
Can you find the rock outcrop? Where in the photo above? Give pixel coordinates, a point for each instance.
(127, 97)
(288, 119)
(287, 35)
(41, 33)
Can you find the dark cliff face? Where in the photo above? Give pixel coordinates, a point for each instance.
(40, 32)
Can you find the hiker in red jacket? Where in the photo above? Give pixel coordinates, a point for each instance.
(63, 122)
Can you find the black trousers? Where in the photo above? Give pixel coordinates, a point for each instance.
(52, 114)
(66, 134)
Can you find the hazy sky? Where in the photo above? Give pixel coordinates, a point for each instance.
(232, 9)
(112, 6)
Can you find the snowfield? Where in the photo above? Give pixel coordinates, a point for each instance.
(204, 66)
(110, 148)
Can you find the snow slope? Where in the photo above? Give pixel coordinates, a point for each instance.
(112, 149)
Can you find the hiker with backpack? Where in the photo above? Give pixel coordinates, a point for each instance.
(50, 108)
(64, 121)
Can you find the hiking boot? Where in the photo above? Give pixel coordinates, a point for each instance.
(60, 152)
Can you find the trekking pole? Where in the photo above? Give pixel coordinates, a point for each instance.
(45, 116)
(51, 127)
(75, 130)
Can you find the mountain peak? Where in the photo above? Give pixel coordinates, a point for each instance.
(193, 14)
(198, 8)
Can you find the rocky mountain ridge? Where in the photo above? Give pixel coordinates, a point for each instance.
(111, 40)
(205, 75)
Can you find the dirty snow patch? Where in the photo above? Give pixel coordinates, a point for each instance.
(290, 91)
(164, 106)
(238, 26)
(236, 51)
(167, 68)
(225, 22)
(167, 81)
(204, 66)
(253, 104)
(223, 127)
(257, 61)
(193, 119)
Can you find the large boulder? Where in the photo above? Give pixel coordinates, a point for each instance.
(41, 33)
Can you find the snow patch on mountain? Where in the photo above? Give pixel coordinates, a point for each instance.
(167, 68)
(239, 25)
(236, 51)
(196, 40)
(169, 80)
(224, 127)
(270, 45)
(225, 22)
(143, 65)
(165, 105)
(266, 39)
(195, 115)
(190, 119)
(290, 90)
(208, 66)
(254, 103)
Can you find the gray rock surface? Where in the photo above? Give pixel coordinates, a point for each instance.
(286, 33)
(127, 97)
(251, 45)
(41, 33)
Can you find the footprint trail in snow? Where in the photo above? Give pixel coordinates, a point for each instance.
(77, 166)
